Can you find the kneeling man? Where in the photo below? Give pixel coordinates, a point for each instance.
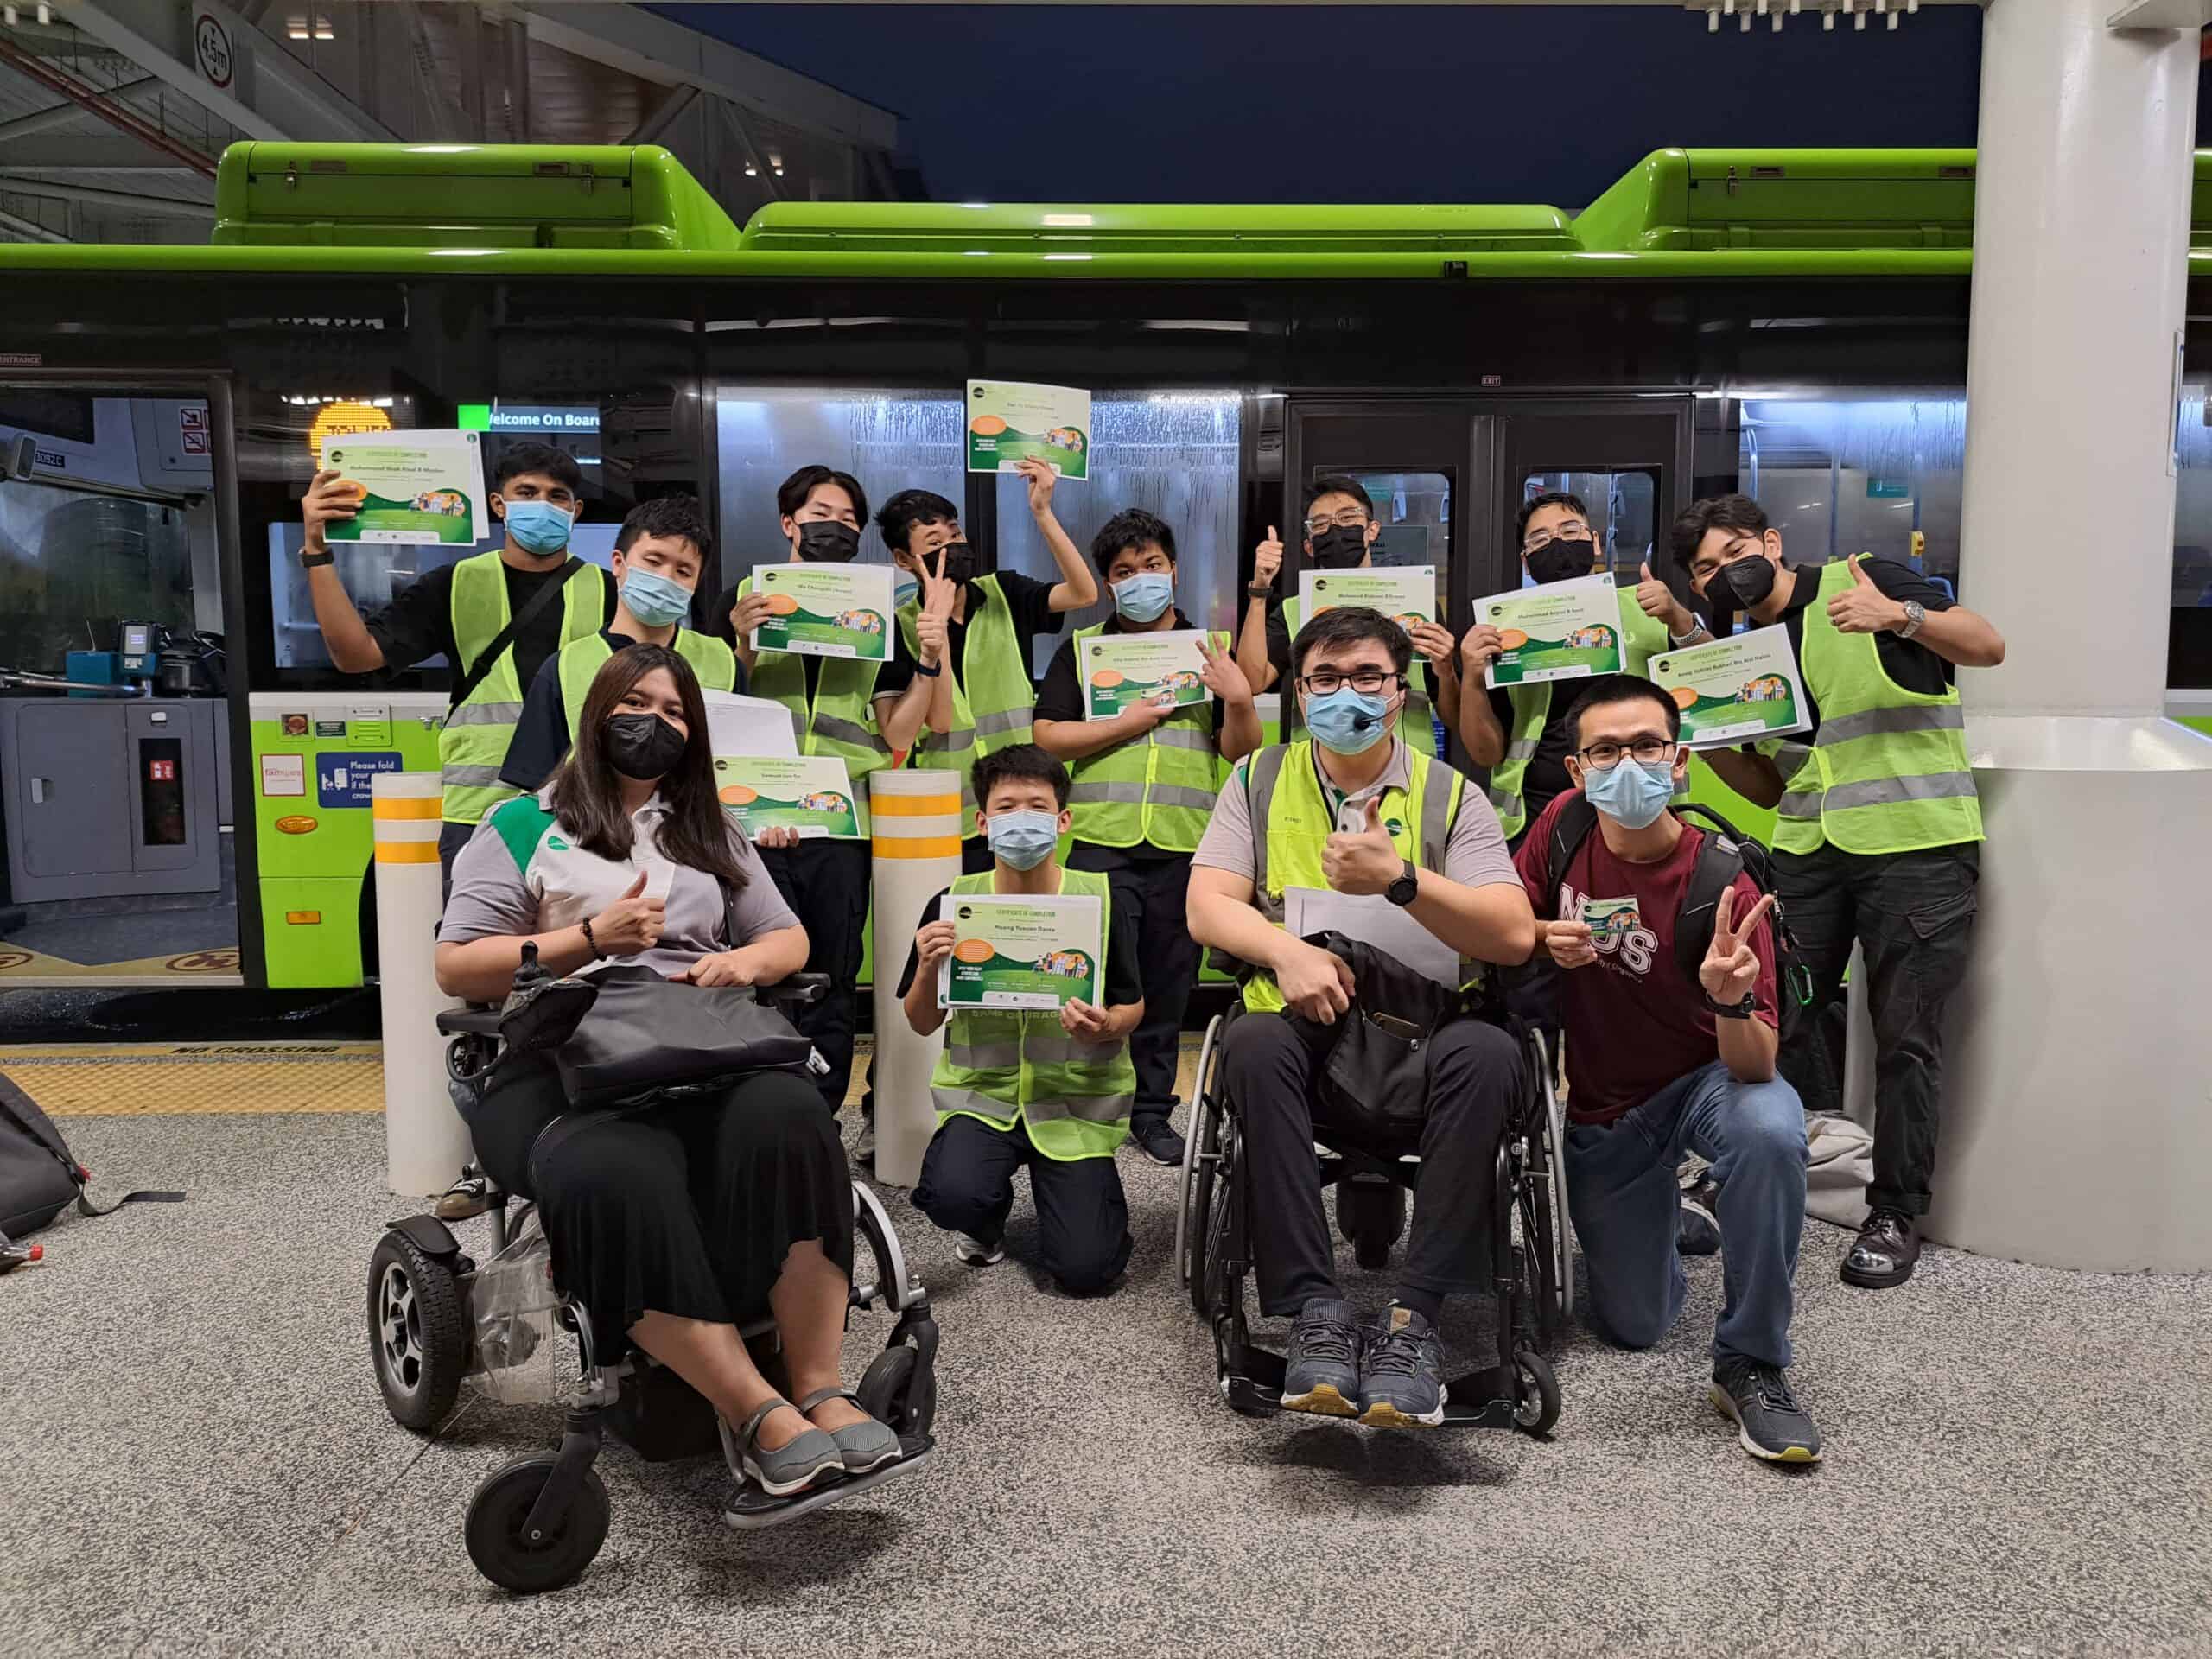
(1355, 808)
(1660, 1062)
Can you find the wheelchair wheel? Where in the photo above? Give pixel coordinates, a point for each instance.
(887, 1390)
(1535, 1405)
(418, 1331)
(1211, 1290)
(1197, 1162)
(1538, 1251)
(500, 1512)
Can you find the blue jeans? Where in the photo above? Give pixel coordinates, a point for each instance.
(1621, 1191)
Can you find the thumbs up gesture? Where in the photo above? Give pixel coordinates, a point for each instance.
(633, 923)
(1658, 600)
(1863, 607)
(1367, 862)
(1730, 968)
(1267, 558)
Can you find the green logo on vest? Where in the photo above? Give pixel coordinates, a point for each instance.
(1394, 826)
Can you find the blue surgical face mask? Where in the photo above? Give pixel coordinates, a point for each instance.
(1631, 794)
(1023, 840)
(1143, 598)
(654, 600)
(539, 527)
(904, 590)
(1348, 721)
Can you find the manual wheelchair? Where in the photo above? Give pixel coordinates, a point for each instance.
(437, 1317)
(1532, 1245)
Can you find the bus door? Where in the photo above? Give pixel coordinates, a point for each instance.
(119, 707)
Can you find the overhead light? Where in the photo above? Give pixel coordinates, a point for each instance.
(301, 26)
(44, 14)
(7, 16)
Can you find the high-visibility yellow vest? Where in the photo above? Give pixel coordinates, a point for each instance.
(994, 699)
(715, 662)
(1292, 821)
(1003, 1064)
(1641, 638)
(1887, 771)
(1159, 788)
(473, 744)
(1416, 720)
(842, 719)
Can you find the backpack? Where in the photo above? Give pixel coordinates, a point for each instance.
(1724, 854)
(38, 1179)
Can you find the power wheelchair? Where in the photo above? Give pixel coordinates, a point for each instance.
(1532, 1243)
(437, 1317)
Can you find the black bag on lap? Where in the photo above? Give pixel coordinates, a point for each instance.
(647, 1038)
(1376, 1077)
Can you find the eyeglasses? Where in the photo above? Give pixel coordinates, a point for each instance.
(1645, 751)
(1322, 681)
(1349, 518)
(1538, 539)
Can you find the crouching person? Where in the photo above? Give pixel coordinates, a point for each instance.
(1660, 1062)
(1049, 1091)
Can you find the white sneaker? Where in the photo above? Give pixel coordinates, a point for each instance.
(975, 1253)
(864, 1148)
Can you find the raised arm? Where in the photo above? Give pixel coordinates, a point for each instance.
(353, 649)
(1252, 637)
(1076, 589)
(1957, 635)
(1477, 722)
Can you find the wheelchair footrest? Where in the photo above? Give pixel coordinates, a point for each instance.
(754, 1508)
(1481, 1399)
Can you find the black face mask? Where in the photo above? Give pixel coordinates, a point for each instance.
(959, 561)
(827, 542)
(643, 746)
(1340, 547)
(1750, 579)
(1561, 560)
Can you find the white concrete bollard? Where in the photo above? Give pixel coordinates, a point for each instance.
(425, 1141)
(917, 837)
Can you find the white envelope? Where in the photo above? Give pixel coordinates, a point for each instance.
(1372, 919)
(738, 725)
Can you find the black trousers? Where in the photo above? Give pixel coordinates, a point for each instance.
(1147, 889)
(1913, 915)
(1083, 1221)
(826, 884)
(1475, 1074)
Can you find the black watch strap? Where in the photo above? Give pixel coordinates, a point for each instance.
(1742, 1010)
(1407, 888)
(309, 559)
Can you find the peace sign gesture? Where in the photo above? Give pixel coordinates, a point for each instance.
(932, 624)
(1731, 969)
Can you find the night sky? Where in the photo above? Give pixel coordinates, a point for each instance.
(1355, 102)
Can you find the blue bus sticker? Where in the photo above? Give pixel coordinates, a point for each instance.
(345, 778)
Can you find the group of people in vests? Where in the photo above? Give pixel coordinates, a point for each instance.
(1190, 823)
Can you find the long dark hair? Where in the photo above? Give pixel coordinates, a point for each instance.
(587, 792)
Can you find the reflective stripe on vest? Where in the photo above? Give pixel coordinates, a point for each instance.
(1160, 788)
(1003, 1064)
(841, 721)
(715, 662)
(1416, 720)
(1887, 771)
(993, 696)
(473, 744)
(1642, 637)
(1292, 821)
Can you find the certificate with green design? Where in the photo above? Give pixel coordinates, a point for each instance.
(1561, 631)
(1018, 951)
(812, 794)
(414, 488)
(1012, 420)
(1405, 593)
(825, 610)
(1745, 687)
(1117, 669)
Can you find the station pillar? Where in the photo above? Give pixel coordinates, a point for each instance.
(2078, 1127)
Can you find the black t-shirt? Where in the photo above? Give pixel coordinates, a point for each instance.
(1122, 985)
(893, 676)
(541, 736)
(418, 623)
(1031, 602)
(1908, 662)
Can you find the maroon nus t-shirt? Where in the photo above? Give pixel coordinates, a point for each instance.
(1633, 1023)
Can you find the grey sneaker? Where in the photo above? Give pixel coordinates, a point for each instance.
(1158, 1141)
(1401, 1373)
(1697, 1229)
(864, 1445)
(975, 1253)
(809, 1456)
(864, 1148)
(1321, 1372)
(1769, 1422)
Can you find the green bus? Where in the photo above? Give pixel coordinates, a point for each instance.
(1792, 323)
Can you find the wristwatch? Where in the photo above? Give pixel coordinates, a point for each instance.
(1742, 1010)
(927, 671)
(1402, 891)
(1260, 589)
(1915, 615)
(309, 559)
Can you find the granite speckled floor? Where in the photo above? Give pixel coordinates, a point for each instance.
(195, 1460)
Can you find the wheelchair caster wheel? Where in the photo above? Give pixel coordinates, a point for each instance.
(886, 1388)
(1535, 1406)
(1372, 1254)
(418, 1331)
(499, 1516)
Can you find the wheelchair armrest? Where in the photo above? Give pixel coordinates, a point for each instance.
(796, 990)
(469, 1022)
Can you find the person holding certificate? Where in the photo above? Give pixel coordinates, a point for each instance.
(862, 711)
(1144, 779)
(658, 553)
(985, 703)
(1880, 832)
(1051, 1090)
(1354, 809)
(1340, 532)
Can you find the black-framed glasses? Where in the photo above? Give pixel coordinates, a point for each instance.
(1538, 539)
(1645, 751)
(1367, 681)
(1349, 518)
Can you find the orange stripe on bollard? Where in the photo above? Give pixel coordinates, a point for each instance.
(918, 847)
(404, 806)
(407, 852)
(915, 806)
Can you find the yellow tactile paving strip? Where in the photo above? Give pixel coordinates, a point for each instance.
(204, 1079)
